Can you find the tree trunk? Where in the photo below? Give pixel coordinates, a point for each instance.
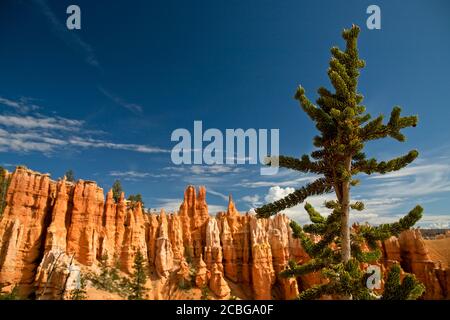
(345, 205)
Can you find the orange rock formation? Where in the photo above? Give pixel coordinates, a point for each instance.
(52, 230)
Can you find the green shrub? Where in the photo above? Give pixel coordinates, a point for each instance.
(80, 292)
(13, 295)
(109, 279)
(4, 184)
(139, 278)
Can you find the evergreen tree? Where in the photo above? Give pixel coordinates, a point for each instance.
(117, 190)
(134, 199)
(114, 270)
(139, 278)
(70, 176)
(79, 293)
(106, 278)
(344, 128)
(109, 278)
(205, 293)
(4, 184)
(394, 289)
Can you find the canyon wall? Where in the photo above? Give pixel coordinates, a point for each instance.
(50, 230)
(410, 251)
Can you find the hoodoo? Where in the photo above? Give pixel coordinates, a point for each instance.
(50, 230)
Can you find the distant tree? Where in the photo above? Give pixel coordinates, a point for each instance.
(109, 278)
(105, 279)
(114, 270)
(205, 293)
(117, 190)
(4, 184)
(139, 278)
(70, 175)
(136, 198)
(79, 293)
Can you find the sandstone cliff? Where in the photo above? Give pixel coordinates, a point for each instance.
(52, 230)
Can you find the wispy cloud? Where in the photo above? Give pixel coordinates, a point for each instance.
(132, 175)
(72, 39)
(218, 194)
(252, 201)
(42, 133)
(436, 221)
(94, 143)
(20, 142)
(47, 143)
(23, 105)
(8, 165)
(129, 174)
(206, 169)
(212, 178)
(297, 182)
(386, 197)
(235, 158)
(40, 122)
(133, 107)
(416, 180)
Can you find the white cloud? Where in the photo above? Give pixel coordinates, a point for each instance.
(440, 224)
(412, 170)
(129, 174)
(40, 122)
(414, 181)
(42, 142)
(235, 159)
(22, 105)
(132, 175)
(288, 183)
(40, 133)
(26, 142)
(8, 165)
(93, 143)
(298, 212)
(205, 169)
(221, 195)
(214, 209)
(253, 201)
(276, 193)
(377, 210)
(215, 169)
(428, 220)
(168, 204)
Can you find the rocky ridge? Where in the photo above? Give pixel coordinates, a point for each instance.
(50, 230)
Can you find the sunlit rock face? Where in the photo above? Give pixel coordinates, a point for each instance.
(50, 230)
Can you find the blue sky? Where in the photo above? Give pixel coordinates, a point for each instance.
(105, 99)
